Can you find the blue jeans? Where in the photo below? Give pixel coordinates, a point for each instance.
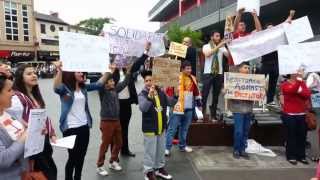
(183, 121)
(242, 122)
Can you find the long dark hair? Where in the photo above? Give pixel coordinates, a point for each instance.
(69, 79)
(19, 85)
(3, 80)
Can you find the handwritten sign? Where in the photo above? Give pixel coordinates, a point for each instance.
(249, 87)
(292, 57)
(249, 5)
(228, 28)
(178, 49)
(165, 72)
(123, 61)
(35, 139)
(131, 42)
(83, 53)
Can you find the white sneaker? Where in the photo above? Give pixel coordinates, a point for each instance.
(187, 149)
(167, 152)
(102, 171)
(115, 166)
(162, 173)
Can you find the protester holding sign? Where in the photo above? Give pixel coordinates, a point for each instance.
(214, 68)
(27, 97)
(295, 94)
(189, 97)
(191, 55)
(153, 104)
(75, 116)
(242, 115)
(240, 26)
(128, 96)
(12, 163)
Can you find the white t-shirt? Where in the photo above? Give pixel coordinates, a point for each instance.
(77, 116)
(208, 60)
(124, 94)
(16, 109)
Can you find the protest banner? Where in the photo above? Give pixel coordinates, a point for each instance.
(264, 42)
(122, 61)
(249, 87)
(131, 42)
(292, 57)
(178, 49)
(35, 139)
(83, 53)
(249, 5)
(228, 28)
(165, 72)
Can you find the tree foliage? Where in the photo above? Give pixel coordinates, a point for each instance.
(176, 33)
(94, 26)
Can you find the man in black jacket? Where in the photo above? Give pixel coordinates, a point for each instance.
(191, 54)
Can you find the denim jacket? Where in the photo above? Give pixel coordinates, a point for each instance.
(67, 97)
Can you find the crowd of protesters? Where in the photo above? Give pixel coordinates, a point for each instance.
(20, 93)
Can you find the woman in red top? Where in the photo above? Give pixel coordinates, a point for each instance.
(295, 95)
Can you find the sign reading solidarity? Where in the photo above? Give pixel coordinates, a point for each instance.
(178, 49)
(249, 87)
(131, 42)
(165, 72)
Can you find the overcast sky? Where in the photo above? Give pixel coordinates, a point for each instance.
(133, 13)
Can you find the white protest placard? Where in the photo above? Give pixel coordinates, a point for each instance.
(249, 5)
(131, 42)
(83, 53)
(299, 30)
(257, 44)
(66, 142)
(35, 138)
(251, 87)
(292, 57)
(261, 43)
(178, 49)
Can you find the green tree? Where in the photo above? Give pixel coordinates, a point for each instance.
(176, 34)
(94, 26)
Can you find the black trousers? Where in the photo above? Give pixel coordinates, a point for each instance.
(273, 73)
(296, 136)
(78, 153)
(125, 116)
(44, 161)
(216, 82)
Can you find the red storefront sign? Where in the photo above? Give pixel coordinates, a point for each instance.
(5, 54)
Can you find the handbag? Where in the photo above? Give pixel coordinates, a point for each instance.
(311, 120)
(31, 174)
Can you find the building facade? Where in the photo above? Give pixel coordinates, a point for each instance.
(17, 30)
(206, 15)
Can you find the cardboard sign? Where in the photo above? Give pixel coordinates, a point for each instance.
(292, 57)
(165, 72)
(178, 49)
(131, 42)
(83, 53)
(249, 87)
(249, 5)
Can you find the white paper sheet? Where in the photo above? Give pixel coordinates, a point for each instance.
(67, 142)
(299, 30)
(35, 139)
(83, 53)
(249, 5)
(292, 57)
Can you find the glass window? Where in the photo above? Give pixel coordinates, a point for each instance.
(9, 37)
(15, 31)
(26, 38)
(14, 18)
(26, 32)
(8, 24)
(43, 28)
(24, 7)
(7, 4)
(15, 38)
(24, 13)
(60, 28)
(14, 24)
(8, 17)
(25, 20)
(8, 30)
(7, 10)
(52, 28)
(25, 26)
(14, 12)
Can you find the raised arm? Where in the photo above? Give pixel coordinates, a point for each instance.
(256, 20)
(238, 18)
(208, 51)
(58, 78)
(290, 17)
